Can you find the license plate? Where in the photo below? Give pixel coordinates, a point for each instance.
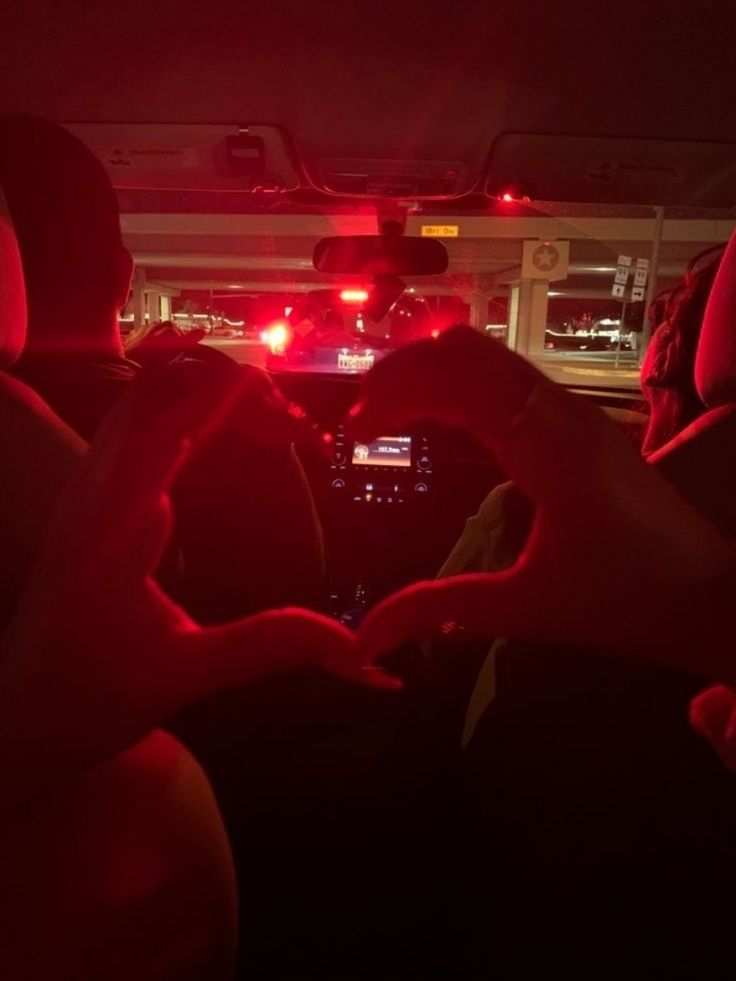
(355, 362)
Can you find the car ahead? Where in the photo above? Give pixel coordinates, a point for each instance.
(344, 337)
(328, 350)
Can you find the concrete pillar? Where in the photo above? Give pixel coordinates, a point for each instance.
(138, 305)
(165, 303)
(152, 306)
(528, 300)
(512, 330)
(478, 303)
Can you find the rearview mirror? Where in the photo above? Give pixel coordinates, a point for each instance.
(371, 255)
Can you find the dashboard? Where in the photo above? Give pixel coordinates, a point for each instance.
(393, 508)
(390, 471)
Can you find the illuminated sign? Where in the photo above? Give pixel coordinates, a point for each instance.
(545, 260)
(440, 231)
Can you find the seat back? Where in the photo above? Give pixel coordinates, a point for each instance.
(37, 452)
(12, 292)
(699, 460)
(123, 871)
(699, 463)
(715, 362)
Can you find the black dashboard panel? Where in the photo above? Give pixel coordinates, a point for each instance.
(390, 471)
(446, 467)
(327, 398)
(392, 511)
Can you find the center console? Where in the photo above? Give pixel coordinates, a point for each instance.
(388, 471)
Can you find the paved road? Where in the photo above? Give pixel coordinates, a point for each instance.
(244, 350)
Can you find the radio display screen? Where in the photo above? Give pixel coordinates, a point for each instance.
(386, 451)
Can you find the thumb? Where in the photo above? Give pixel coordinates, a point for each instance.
(485, 605)
(269, 643)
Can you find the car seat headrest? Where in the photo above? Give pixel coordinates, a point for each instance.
(715, 361)
(12, 291)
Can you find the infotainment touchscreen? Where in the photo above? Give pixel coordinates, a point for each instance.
(386, 451)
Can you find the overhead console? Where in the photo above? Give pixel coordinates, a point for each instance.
(386, 472)
(416, 179)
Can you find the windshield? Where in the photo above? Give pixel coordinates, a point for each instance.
(566, 285)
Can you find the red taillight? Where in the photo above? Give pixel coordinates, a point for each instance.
(354, 296)
(507, 196)
(277, 337)
(435, 333)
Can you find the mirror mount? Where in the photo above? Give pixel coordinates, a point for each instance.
(386, 290)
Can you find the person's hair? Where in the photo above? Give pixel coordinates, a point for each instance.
(66, 218)
(668, 379)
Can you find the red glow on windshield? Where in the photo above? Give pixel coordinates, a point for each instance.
(513, 195)
(354, 296)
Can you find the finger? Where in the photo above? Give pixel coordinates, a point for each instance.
(456, 379)
(137, 452)
(483, 605)
(542, 436)
(271, 419)
(558, 448)
(270, 643)
(145, 548)
(557, 593)
(275, 421)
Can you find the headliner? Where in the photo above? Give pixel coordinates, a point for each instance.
(383, 79)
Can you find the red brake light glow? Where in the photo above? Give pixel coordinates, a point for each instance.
(277, 337)
(354, 296)
(513, 195)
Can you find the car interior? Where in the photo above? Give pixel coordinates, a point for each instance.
(540, 172)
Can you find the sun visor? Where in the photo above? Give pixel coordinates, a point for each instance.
(612, 170)
(162, 156)
(715, 362)
(12, 291)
